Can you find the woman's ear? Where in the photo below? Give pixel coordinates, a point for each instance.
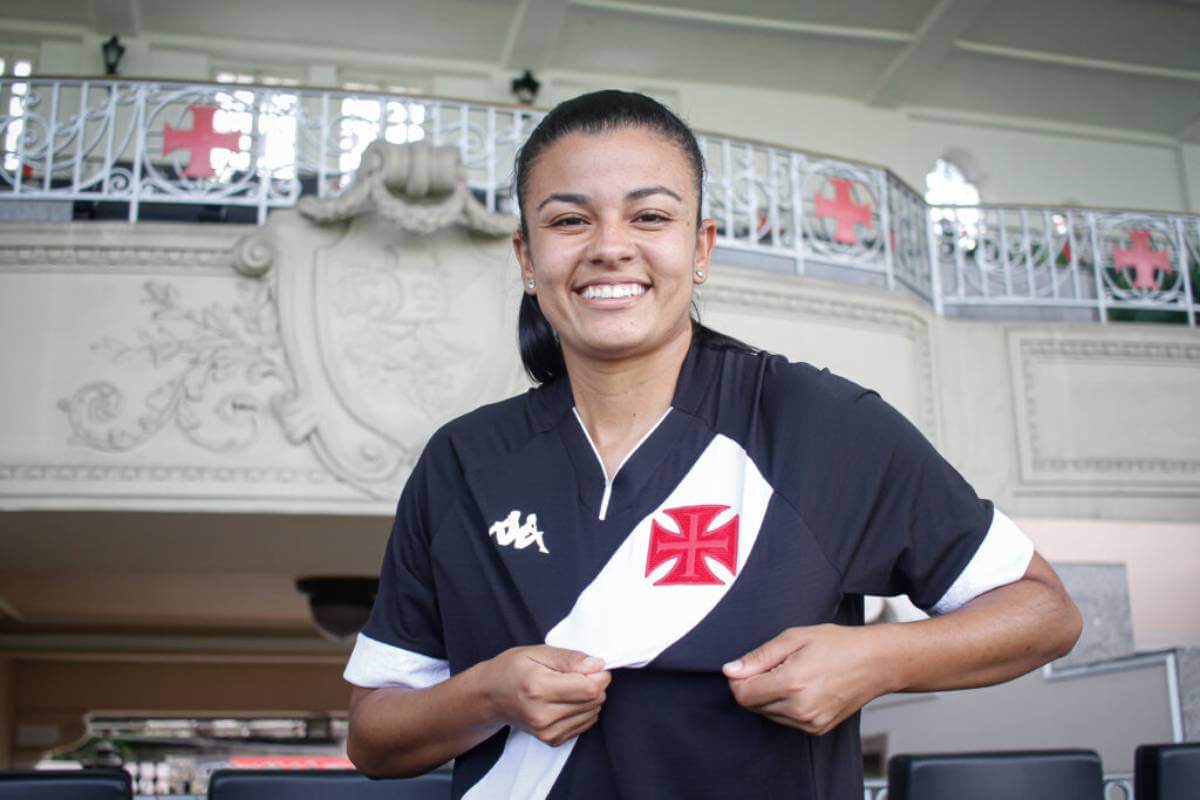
(706, 239)
(521, 249)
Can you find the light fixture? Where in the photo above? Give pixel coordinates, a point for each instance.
(340, 606)
(113, 50)
(526, 88)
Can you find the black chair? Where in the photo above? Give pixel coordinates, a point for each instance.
(299, 784)
(83, 784)
(1167, 772)
(1029, 775)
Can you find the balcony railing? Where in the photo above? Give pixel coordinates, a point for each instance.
(146, 150)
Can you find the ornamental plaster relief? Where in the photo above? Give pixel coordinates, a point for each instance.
(301, 366)
(214, 371)
(1107, 412)
(875, 338)
(397, 305)
(356, 327)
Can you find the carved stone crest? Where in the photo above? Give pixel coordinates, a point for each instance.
(397, 304)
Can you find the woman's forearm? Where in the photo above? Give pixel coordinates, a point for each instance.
(997, 636)
(405, 732)
(551, 693)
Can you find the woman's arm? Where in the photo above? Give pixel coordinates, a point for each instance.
(813, 678)
(554, 694)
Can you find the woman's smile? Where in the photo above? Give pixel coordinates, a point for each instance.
(612, 294)
(614, 249)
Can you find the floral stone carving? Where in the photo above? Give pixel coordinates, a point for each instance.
(210, 366)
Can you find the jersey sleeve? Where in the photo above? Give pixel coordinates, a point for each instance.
(401, 645)
(893, 516)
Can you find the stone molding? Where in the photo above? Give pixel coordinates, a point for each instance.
(116, 259)
(790, 297)
(162, 473)
(1093, 474)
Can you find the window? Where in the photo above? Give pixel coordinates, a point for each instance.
(276, 124)
(365, 119)
(14, 66)
(947, 185)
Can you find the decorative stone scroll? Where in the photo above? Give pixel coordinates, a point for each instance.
(397, 307)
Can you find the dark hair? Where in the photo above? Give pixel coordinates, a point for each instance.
(595, 113)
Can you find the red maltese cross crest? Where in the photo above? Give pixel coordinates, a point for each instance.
(696, 542)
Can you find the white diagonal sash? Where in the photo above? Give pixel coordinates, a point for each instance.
(624, 618)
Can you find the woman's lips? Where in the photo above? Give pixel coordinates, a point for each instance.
(611, 291)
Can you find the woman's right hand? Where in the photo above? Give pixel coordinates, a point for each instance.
(552, 693)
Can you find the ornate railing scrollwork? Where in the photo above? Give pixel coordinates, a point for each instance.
(139, 143)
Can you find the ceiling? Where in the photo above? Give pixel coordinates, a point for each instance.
(1128, 64)
(80, 571)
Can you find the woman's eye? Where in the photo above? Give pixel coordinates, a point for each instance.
(568, 222)
(651, 216)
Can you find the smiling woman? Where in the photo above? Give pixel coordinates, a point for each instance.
(644, 578)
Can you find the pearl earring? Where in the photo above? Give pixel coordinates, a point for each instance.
(530, 285)
(700, 274)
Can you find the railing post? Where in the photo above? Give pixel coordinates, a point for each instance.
(19, 173)
(797, 213)
(1184, 267)
(1097, 266)
(110, 121)
(489, 149)
(323, 147)
(139, 147)
(77, 170)
(935, 267)
(264, 175)
(885, 227)
(1074, 245)
(51, 135)
(773, 196)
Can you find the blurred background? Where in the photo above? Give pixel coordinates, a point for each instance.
(228, 327)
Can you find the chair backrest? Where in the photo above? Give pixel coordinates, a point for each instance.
(288, 784)
(1029, 775)
(82, 784)
(1167, 771)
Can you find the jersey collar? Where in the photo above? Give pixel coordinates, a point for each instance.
(552, 401)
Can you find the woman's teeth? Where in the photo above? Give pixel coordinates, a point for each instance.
(608, 290)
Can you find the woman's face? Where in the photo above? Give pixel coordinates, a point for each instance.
(613, 247)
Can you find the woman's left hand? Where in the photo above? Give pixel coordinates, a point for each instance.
(811, 678)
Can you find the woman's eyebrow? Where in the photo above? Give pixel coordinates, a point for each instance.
(576, 199)
(638, 194)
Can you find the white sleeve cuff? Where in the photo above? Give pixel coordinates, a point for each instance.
(375, 665)
(1002, 558)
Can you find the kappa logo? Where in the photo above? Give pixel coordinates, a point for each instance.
(696, 542)
(510, 531)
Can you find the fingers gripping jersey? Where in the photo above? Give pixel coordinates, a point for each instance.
(771, 495)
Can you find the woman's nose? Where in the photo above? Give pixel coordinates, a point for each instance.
(610, 244)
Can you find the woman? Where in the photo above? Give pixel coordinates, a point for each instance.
(644, 578)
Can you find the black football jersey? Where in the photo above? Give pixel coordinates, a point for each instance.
(770, 495)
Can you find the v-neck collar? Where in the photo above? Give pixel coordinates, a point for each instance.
(555, 400)
(610, 480)
(607, 496)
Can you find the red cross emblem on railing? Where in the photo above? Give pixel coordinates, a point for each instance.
(200, 141)
(694, 543)
(843, 209)
(1142, 258)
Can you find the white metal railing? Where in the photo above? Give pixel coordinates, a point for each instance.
(123, 146)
